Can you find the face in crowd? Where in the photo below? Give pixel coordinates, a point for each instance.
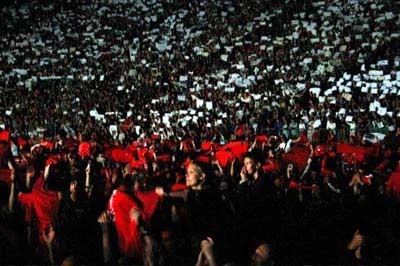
(250, 165)
(194, 175)
(72, 186)
(261, 255)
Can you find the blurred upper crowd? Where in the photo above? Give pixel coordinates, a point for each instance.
(104, 97)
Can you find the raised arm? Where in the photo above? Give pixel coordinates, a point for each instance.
(11, 199)
(103, 221)
(173, 194)
(206, 255)
(49, 239)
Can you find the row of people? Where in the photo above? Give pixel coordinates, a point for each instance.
(235, 204)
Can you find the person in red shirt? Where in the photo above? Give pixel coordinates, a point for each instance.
(329, 162)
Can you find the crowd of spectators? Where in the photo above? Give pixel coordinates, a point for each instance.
(285, 113)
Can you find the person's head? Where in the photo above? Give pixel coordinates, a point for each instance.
(73, 186)
(283, 138)
(140, 180)
(68, 261)
(251, 163)
(194, 175)
(261, 254)
(168, 241)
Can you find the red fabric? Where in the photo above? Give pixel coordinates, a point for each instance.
(126, 125)
(270, 167)
(360, 153)
(132, 147)
(46, 204)
(187, 145)
(209, 146)
(303, 138)
(142, 153)
(121, 204)
(155, 136)
(150, 201)
(366, 180)
(238, 148)
(150, 155)
(104, 172)
(308, 187)
(260, 141)
(42, 203)
(326, 172)
(262, 138)
(320, 150)
(147, 141)
(393, 185)
(240, 130)
(223, 157)
(186, 162)
(5, 175)
(344, 148)
(47, 144)
(348, 151)
(22, 142)
(203, 159)
(170, 144)
(84, 149)
(107, 151)
(135, 144)
(298, 156)
(52, 160)
(206, 145)
(121, 155)
(137, 164)
(165, 158)
(382, 166)
(5, 135)
(178, 187)
(293, 185)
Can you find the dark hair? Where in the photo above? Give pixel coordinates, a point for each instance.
(255, 156)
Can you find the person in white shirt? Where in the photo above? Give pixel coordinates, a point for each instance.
(331, 125)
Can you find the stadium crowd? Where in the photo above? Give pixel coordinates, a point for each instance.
(169, 132)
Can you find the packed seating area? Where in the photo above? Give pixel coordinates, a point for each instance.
(108, 106)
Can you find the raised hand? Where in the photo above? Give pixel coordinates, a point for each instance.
(243, 176)
(49, 236)
(357, 241)
(102, 218)
(134, 214)
(159, 191)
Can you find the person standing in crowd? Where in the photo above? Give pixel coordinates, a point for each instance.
(207, 214)
(77, 226)
(257, 201)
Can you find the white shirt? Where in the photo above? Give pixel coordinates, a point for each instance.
(330, 125)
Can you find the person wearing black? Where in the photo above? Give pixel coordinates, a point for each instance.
(209, 215)
(206, 215)
(77, 227)
(257, 201)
